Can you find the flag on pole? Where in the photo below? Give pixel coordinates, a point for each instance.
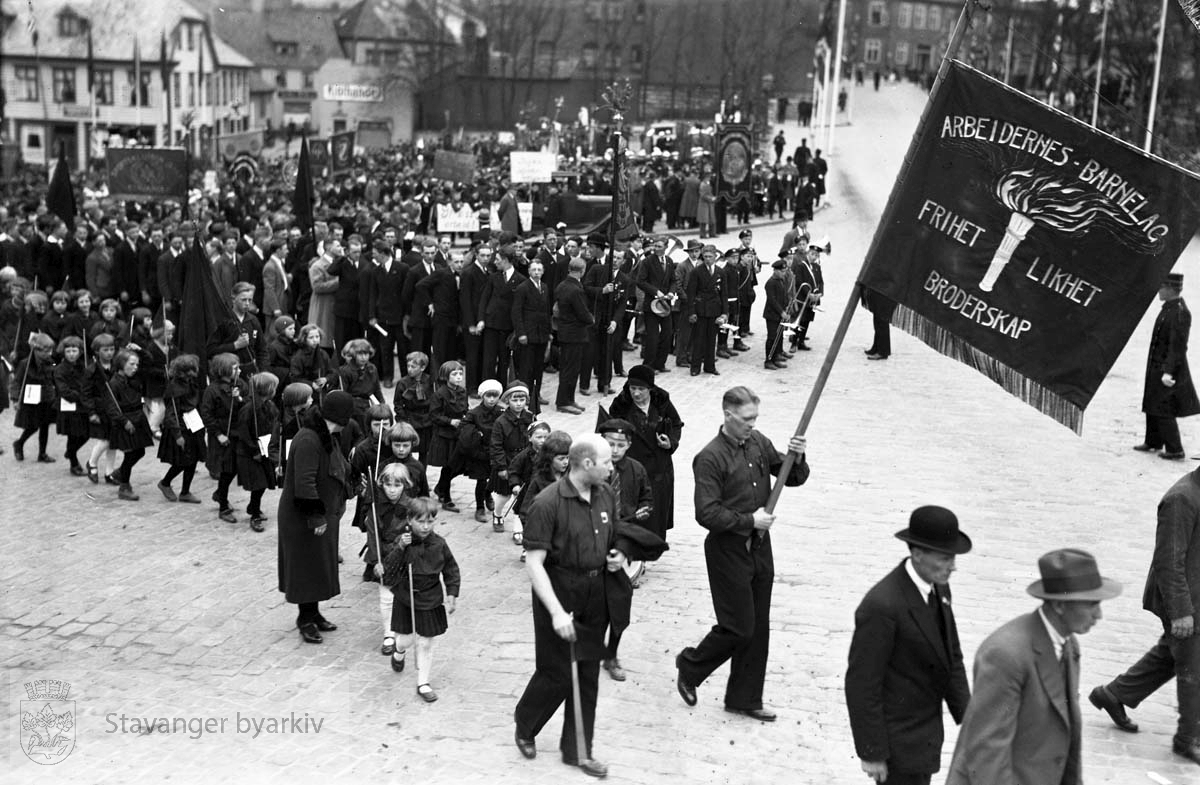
(137, 74)
(202, 308)
(624, 224)
(31, 26)
(1025, 244)
(91, 63)
(60, 199)
(1192, 9)
(164, 67)
(302, 198)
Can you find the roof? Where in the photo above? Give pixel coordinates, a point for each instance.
(254, 34)
(404, 20)
(114, 29)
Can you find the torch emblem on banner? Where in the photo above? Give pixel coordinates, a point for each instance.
(1045, 200)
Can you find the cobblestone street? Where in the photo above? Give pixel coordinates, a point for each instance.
(153, 610)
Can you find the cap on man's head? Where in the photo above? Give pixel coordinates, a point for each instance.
(1174, 280)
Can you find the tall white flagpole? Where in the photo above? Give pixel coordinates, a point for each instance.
(1162, 30)
(835, 89)
(1100, 65)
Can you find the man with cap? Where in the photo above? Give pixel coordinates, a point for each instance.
(774, 310)
(905, 658)
(679, 282)
(653, 277)
(605, 290)
(705, 312)
(1023, 723)
(1168, 392)
(574, 319)
(1173, 595)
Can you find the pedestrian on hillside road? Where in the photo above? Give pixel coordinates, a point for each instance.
(733, 482)
(905, 658)
(1023, 723)
(1168, 392)
(1173, 595)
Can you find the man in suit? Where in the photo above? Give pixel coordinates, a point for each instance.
(653, 277)
(705, 311)
(250, 268)
(147, 263)
(1173, 595)
(494, 317)
(1023, 724)
(506, 211)
(905, 658)
(439, 291)
(679, 311)
(125, 266)
(531, 328)
(168, 271)
(574, 318)
(1168, 392)
(474, 278)
(385, 310)
(75, 253)
(418, 325)
(346, 311)
(51, 257)
(276, 281)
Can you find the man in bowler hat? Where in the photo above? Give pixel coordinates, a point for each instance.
(1168, 392)
(905, 658)
(1023, 723)
(1173, 595)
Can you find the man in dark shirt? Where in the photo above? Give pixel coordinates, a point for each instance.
(573, 553)
(242, 335)
(733, 481)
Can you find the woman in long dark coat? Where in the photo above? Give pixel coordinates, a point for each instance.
(657, 428)
(315, 489)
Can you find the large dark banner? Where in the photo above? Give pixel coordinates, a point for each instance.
(734, 157)
(341, 152)
(454, 167)
(318, 156)
(147, 173)
(1027, 245)
(624, 223)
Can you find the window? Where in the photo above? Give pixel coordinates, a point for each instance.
(103, 83)
(371, 56)
(871, 50)
(918, 17)
(28, 84)
(280, 79)
(70, 25)
(191, 41)
(587, 55)
(544, 56)
(191, 96)
(64, 85)
(635, 56)
(904, 17)
(877, 13)
(286, 48)
(934, 21)
(612, 56)
(309, 80)
(176, 90)
(902, 53)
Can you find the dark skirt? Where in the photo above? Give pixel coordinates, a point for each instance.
(121, 439)
(35, 416)
(98, 430)
(430, 624)
(662, 517)
(254, 473)
(190, 454)
(72, 424)
(220, 460)
(441, 448)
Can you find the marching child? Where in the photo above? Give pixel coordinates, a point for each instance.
(281, 349)
(471, 452)
(182, 443)
(156, 354)
(432, 564)
(81, 318)
(129, 430)
(54, 323)
(70, 378)
(296, 398)
(446, 412)
(33, 382)
(98, 378)
(390, 519)
(520, 472)
(222, 397)
(405, 440)
(413, 398)
(255, 448)
(365, 462)
(310, 363)
(549, 466)
(510, 435)
(110, 323)
(359, 377)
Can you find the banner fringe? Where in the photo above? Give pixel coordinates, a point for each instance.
(1017, 384)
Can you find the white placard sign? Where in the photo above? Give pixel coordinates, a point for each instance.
(525, 215)
(532, 167)
(465, 219)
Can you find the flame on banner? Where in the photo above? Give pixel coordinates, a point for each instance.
(1047, 200)
(1192, 9)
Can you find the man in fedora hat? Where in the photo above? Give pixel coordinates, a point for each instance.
(653, 277)
(679, 283)
(1168, 392)
(1173, 595)
(1023, 723)
(905, 658)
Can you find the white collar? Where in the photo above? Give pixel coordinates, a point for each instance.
(923, 587)
(1055, 638)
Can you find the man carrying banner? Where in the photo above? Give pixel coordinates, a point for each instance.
(1168, 392)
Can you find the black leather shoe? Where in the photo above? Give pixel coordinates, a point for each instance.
(592, 768)
(713, 372)
(309, 634)
(686, 691)
(528, 747)
(762, 715)
(1102, 698)
(1189, 751)
(397, 664)
(1145, 448)
(695, 373)
(1172, 456)
(325, 625)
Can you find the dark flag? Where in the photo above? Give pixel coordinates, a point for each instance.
(341, 152)
(164, 73)
(91, 65)
(624, 223)
(60, 199)
(202, 308)
(302, 199)
(1023, 243)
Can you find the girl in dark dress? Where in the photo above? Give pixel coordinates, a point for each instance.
(221, 399)
(129, 430)
(35, 397)
(156, 354)
(413, 399)
(70, 385)
(296, 398)
(446, 412)
(310, 363)
(256, 449)
(359, 377)
(281, 349)
(551, 464)
(470, 456)
(520, 472)
(110, 323)
(182, 444)
(54, 323)
(389, 520)
(98, 377)
(80, 319)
